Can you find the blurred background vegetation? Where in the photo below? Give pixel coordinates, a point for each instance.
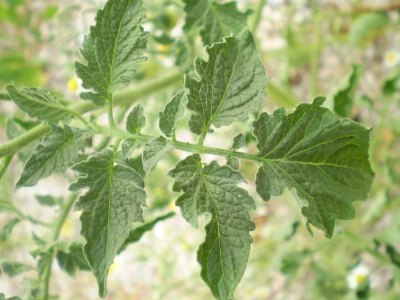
(348, 50)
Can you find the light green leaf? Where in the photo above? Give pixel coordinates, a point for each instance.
(113, 202)
(215, 20)
(367, 25)
(3, 297)
(129, 145)
(7, 229)
(213, 189)
(14, 268)
(112, 49)
(231, 86)
(72, 260)
(153, 151)
(58, 151)
(136, 120)
(137, 233)
(321, 156)
(343, 98)
(39, 103)
(172, 113)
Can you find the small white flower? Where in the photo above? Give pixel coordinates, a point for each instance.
(391, 58)
(358, 276)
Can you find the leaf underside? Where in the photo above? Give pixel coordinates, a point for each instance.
(112, 50)
(214, 20)
(213, 190)
(113, 202)
(321, 156)
(54, 154)
(231, 85)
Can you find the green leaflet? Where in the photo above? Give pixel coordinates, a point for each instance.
(215, 20)
(129, 145)
(39, 103)
(58, 151)
(153, 151)
(49, 200)
(72, 260)
(136, 120)
(239, 141)
(323, 157)
(112, 49)
(213, 189)
(137, 233)
(113, 202)
(343, 99)
(172, 113)
(3, 297)
(7, 229)
(232, 84)
(14, 268)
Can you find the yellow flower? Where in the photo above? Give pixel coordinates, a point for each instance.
(66, 229)
(112, 268)
(73, 84)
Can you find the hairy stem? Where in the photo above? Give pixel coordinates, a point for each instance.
(54, 237)
(124, 97)
(4, 164)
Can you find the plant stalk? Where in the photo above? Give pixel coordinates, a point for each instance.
(124, 97)
(54, 237)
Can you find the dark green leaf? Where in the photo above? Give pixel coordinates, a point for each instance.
(113, 202)
(343, 99)
(48, 200)
(73, 259)
(112, 49)
(321, 156)
(58, 151)
(239, 141)
(137, 233)
(14, 268)
(213, 189)
(232, 84)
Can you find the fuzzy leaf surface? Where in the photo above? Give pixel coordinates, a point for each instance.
(39, 103)
(321, 156)
(172, 113)
(136, 120)
(231, 85)
(215, 20)
(213, 189)
(113, 202)
(112, 49)
(153, 151)
(57, 151)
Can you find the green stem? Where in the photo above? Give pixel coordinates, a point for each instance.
(124, 97)
(4, 164)
(193, 148)
(54, 237)
(111, 115)
(257, 16)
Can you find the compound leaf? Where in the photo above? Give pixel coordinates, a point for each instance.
(58, 151)
(172, 113)
(39, 103)
(113, 202)
(215, 20)
(232, 84)
(112, 49)
(213, 189)
(323, 157)
(153, 151)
